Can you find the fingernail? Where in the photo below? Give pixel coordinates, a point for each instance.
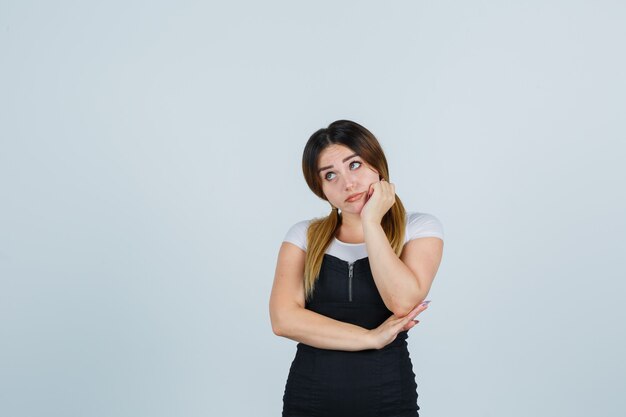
(416, 321)
(425, 303)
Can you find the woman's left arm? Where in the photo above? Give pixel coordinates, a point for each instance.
(403, 282)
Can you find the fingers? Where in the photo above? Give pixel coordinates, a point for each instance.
(406, 322)
(383, 185)
(410, 325)
(394, 325)
(387, 187)
(423, 305)
(417, 310)
(383, 193)
(411, 316)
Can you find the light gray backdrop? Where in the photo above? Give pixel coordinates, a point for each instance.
(150, 167)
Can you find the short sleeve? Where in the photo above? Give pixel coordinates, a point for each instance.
(297, 234)
(423, 225)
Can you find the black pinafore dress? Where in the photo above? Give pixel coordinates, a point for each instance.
(335, 383)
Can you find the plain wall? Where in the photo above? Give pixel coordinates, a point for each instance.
(150, 167)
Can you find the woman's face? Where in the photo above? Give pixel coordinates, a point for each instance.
(345, 178)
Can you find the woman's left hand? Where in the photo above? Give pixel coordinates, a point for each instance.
(380, 197)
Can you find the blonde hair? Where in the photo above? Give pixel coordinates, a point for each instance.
(321, 231)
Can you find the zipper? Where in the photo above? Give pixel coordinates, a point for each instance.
(350, 274)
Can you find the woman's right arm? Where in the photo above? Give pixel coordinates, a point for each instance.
(291, 320)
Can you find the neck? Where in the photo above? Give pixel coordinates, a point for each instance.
(351, 221)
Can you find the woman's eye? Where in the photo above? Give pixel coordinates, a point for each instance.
(355, 164)
(329, 176)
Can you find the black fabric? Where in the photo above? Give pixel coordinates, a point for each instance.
(335, 383)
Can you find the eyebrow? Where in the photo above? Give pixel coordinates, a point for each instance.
(330, 166)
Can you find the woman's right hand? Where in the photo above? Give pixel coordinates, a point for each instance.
(389, 329)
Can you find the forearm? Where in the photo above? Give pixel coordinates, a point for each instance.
(319, 331)
(398, 286)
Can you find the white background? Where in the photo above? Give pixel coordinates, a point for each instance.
(150, 167)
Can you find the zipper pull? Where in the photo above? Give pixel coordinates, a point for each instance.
(350, 274)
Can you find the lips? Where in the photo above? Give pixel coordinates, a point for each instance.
(354, 197)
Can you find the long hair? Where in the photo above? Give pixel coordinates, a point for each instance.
(322, 230)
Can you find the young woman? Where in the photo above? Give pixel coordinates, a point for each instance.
(349, 286)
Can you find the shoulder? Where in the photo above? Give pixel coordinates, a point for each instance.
(422, 225)
(297, 234)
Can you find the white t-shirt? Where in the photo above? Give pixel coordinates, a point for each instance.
(417, 225)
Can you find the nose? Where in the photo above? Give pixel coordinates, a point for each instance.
(350, 180)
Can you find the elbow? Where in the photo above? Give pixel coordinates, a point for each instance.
(401, 308)
(401, 311)
(276, 327)
(278, 324)
(284, 320)
(277, 330)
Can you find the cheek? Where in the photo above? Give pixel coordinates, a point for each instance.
(325, 189)
(374, 174)
(329, 191)
(370, 176)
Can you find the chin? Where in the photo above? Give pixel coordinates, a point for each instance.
(353, 210)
